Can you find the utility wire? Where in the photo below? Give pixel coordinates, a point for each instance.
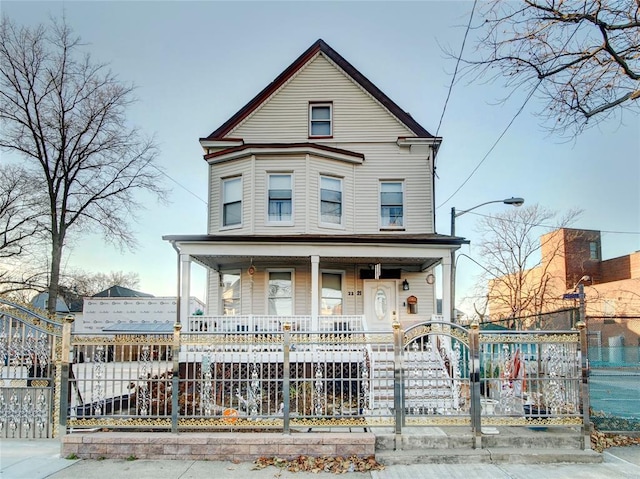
(508, 126)
(178, 183)
(541, 225)
(495, 143)
(455, 72)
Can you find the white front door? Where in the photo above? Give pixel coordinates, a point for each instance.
(380, 304)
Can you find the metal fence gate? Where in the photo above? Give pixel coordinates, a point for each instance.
(437, 376)
(30, 354)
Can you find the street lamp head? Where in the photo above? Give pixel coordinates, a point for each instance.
(514, 201)
(454, 214)
(582, 281)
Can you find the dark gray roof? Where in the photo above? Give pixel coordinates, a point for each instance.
(391, 238)
(121, 292)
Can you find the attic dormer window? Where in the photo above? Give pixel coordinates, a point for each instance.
(320, 120)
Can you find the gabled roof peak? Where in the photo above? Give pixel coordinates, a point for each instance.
(319, 46)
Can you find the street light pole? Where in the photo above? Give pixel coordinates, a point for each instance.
(454, 214)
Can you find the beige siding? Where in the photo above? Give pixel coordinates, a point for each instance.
(360, 191)
(296, 165)
(254, 292)
(346, 172)
(360, 125)
(390, 162)
(421, 290)
(213, 300)
(356, 115)
(243, 168)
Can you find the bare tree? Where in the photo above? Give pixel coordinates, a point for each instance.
(65, 116)
(582, 57)
(517, 263)
(20, 283)
(19, 211)
(82, 283)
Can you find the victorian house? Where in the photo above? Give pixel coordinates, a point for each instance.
(321, 209)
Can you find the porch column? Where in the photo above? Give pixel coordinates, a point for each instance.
(315, 300)
(185, 289)
(446, 288)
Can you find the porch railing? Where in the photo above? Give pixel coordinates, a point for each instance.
(252, 323)
(285, 379)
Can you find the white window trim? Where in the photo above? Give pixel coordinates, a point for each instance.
(342, 274)
(222, 203)
(322, 104)
(293, 203)
(404, 206)
(293, 287)
(335, 226)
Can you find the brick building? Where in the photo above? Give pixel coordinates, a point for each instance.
(612, 290)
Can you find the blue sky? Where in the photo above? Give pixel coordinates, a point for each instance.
(197, 63)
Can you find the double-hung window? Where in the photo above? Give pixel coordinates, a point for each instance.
(330, 200)
(331, 293)
(232, 202)
(230, 285)
(280, 293)
(320, 120)
(391, 204)
(280, 199)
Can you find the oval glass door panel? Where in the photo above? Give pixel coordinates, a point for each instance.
(380, 304)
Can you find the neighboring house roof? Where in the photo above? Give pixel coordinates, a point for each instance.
(319, 47)
(493, 327)
(75, 305)
(40, 301)
(121, 292)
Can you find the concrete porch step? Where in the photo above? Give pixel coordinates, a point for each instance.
(412, 442)
(537, 439)
(488, 456)
(448, 438)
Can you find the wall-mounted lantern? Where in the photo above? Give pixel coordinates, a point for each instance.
(405, 285)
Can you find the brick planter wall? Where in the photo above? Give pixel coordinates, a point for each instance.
(243, 447)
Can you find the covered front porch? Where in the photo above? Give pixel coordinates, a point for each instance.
(316, 282)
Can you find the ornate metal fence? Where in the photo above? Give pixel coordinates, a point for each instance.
(531, 378)
(269, 380)
(30, 352)
(435, 373)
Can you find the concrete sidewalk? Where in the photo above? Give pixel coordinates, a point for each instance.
(39, 459)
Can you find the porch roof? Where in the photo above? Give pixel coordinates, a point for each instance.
(421, 251)
(384, 238)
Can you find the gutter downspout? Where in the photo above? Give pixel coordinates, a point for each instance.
(175, 350)
(179, 283)
(432, 159)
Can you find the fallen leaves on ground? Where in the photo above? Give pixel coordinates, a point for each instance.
(602, 440)
(335, 465)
